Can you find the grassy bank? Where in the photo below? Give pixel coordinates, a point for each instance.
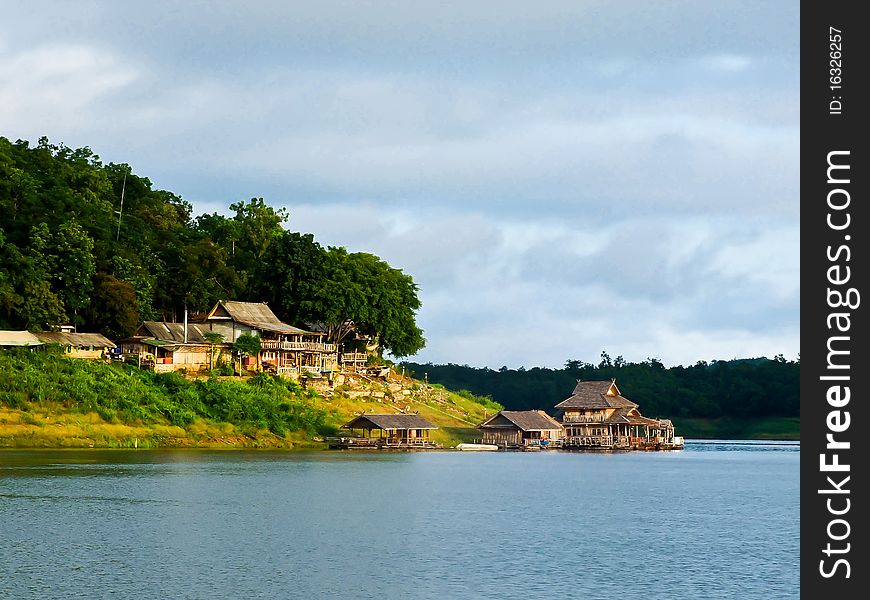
(47, 400)
(770, 428)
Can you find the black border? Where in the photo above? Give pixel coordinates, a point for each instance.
(821, 133)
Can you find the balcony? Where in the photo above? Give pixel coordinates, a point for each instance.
(583, 419)
(354, 357)
(298, 346)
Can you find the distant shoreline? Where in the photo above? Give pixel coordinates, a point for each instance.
(725, 428)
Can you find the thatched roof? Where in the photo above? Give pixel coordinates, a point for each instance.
(620, 415)
(525, 420)
(397, 421)
(596, 395)
(254, 314)
(78, 340)
(18, 338)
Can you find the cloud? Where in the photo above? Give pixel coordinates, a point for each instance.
(502, 291)
(57, 86)
(559, 178)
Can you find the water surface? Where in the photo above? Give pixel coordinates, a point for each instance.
(716, 520)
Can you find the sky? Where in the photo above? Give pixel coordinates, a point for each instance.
(559, 177)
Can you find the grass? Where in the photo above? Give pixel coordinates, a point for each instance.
(47, 400)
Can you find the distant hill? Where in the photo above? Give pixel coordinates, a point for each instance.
(749, 388)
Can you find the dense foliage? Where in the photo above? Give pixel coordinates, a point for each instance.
(125, 394)
(68, 256)
(743, 388)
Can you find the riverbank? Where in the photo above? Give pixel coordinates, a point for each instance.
(768, 428)
(48, 401)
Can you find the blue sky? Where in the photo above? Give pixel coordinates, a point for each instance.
(558, 177)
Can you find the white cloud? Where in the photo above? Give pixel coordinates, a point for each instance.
(57, 87)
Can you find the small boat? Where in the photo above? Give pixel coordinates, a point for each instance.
(476, 447)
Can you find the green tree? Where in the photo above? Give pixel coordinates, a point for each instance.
(74, 267)
(143, 282)
(247, 345)
(380, 300)
(113, 311)
(256, 226)
(40, 307)
(297, 273)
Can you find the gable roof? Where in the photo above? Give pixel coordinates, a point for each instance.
(596, 395)
(78, 340)
(174, 332)
(254, 314)
(526, 420)
(396, 421)
(18, 338)
(620, 415)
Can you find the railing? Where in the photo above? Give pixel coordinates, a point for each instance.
(377, 442)
(583, 419)
(354, 357)
(407, 442)
(312, 346)
(591, 440)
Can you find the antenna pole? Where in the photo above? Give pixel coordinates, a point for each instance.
(120, 212)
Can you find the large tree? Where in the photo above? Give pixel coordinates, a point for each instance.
(73, 267)
(61, 221)
(114, 311)
(380, 300)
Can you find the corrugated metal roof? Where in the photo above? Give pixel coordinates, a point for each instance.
(18, 338)
(257, 315)
(174, 332)
(78, 340)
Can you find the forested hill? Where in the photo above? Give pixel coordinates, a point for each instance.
(67, 257)
(750, 388)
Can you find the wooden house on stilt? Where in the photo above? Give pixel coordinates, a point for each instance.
(387, 431)
(598, 416)
(521, 429)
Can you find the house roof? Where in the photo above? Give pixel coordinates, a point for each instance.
(254, 314)
(75, 339)
(174, 332)
(18, 338)
(596, 395)
(620, 415)
(176, 346)
(526, 420)
(396, 421)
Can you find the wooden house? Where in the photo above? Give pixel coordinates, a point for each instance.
(168, 347)
(598, 416)
(79, 345)
(284, 348)
(387, 431)
(521, 429)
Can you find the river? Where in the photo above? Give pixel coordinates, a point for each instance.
(717, 520)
